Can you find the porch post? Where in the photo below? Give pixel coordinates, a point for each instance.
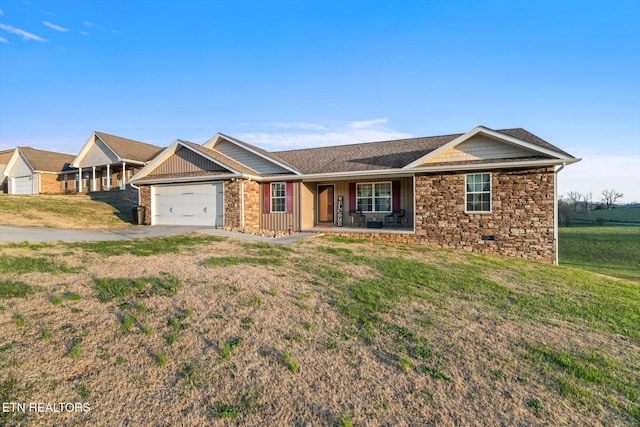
(108, 178)
(79, 180)
(93, 179)
(123, 181)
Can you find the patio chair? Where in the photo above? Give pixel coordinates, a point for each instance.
(358, 219)
(396, 217)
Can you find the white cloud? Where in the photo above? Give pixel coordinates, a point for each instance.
(25, 35)
(55, 27)
(88, 24)
(84, 33)
(367, 123)
(1, 12)
(307, 135)
(3, 40)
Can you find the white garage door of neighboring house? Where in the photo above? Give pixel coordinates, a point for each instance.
(188, 204)
(23, 185)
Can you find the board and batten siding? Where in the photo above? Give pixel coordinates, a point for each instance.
(185, 160)
(281, 221)
(99, 154)
(480, 148)
(249, 159)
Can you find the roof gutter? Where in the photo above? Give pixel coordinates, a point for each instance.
(185, 179)
(437, 168)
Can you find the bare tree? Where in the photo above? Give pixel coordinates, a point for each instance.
(573, 197)
(587, 198)
(610, 197)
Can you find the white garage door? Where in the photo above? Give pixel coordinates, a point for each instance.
(23, 185)
(188, 204)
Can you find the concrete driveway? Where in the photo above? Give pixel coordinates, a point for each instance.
(37, 234)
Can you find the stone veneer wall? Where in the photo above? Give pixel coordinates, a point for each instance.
(145, 200)
(232, 207)
(521, 223)
(251, 205)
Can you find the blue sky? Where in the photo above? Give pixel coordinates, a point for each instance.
(288, 74)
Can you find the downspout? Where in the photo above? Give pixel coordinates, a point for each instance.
(555, 209)
(137, 188)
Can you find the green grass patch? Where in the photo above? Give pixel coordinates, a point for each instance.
(620, 214)
(229, 346)
(290, 361)
(121, 288)
(195, 375)
(224, 410)
(614, 251)
(338, 239)
(575, 371)
(147, 247)
(19, 320)
(28, 245)
(22, 265)
(13, 289)
(75, 351)
(161, 359)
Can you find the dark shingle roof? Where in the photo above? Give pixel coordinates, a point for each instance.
(130, 149)
(363, 156)
(5, 156)
(382, 155)
(47, 161)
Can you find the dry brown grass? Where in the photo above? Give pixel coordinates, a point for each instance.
(77, 211)
(476, 373)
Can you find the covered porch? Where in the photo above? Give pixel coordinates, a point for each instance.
(105, 177)
(360, 205)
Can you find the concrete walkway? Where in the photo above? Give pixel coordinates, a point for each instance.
(37, 234)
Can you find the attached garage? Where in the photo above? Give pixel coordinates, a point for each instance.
(24, 185)
(188, 204)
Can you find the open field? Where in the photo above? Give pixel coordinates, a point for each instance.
(64, 211)
(614, 251)
(195, 330)
(624, 214)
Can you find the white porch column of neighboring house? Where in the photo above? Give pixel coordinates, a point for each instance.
(123, 182)
(108, 178)
(79, 180)
(93, 180)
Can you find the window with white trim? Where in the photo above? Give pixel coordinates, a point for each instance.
(373, 197)
(478, 192)
(278, 197)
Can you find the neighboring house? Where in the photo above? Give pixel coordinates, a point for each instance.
(5, 156)
(32, 171)
(483, 191)
(107, 162)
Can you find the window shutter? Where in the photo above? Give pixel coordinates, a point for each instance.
(352, 195)
(266, 199)
(288, 193)
(395, 195)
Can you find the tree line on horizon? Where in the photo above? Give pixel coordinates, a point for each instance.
(575, 201)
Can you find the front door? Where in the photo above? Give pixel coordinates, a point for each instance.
(325, 203)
